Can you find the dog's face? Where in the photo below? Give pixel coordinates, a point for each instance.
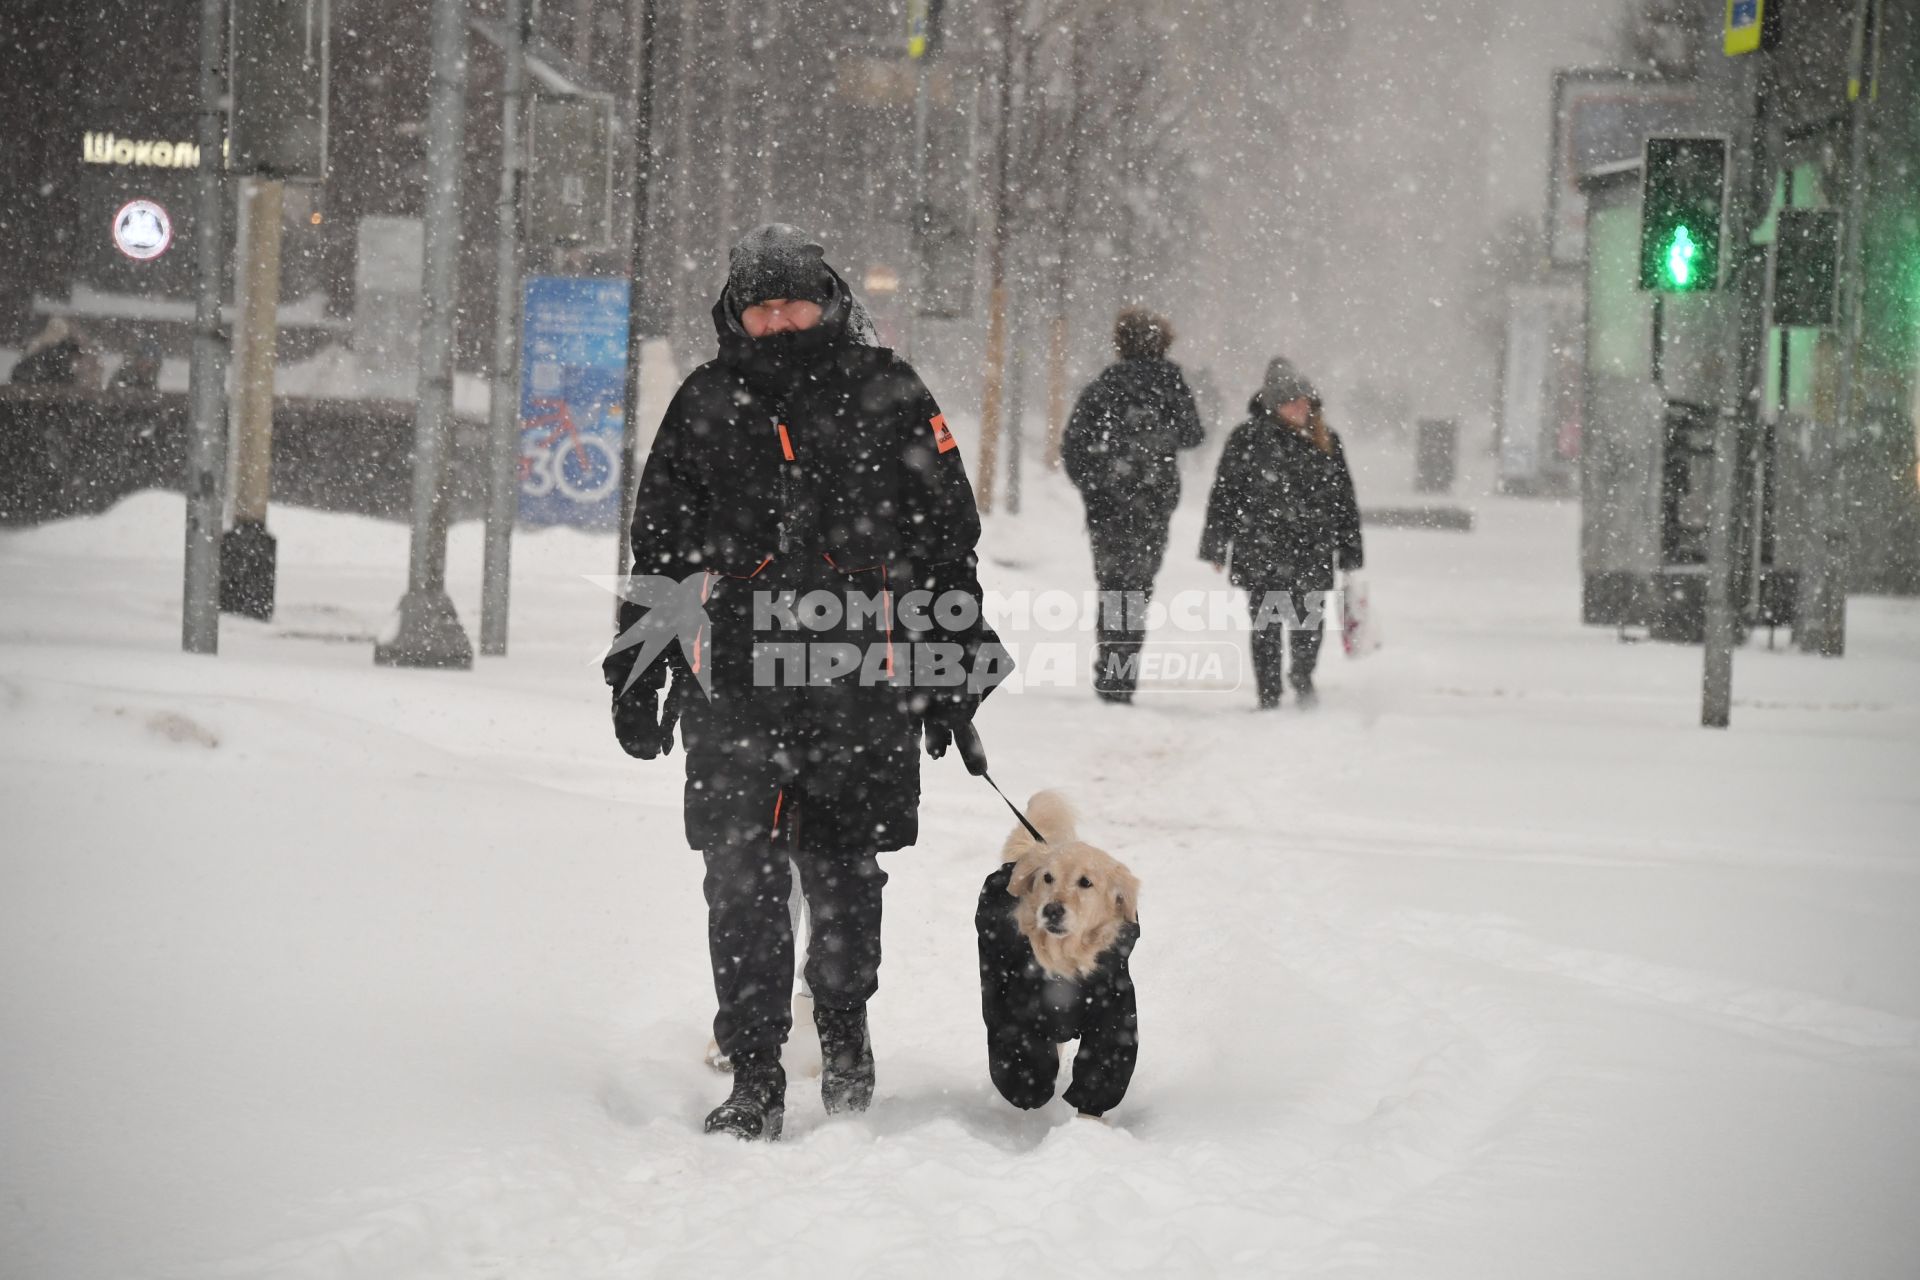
(1073, 900)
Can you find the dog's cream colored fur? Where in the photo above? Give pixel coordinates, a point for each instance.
(1053, 872)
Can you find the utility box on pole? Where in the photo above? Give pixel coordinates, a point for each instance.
(570, 171)
(1806, 268)
(278, 52)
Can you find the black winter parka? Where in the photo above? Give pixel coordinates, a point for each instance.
(803, 462)
(1281, 511)
(1123, 439)
(1029, 1012)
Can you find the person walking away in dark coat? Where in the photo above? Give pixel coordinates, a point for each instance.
(803, 463)
(1120, 450)
(1283, 512)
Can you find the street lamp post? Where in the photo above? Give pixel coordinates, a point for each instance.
(207, 437)
(1750, 189)
(503, 417)
(429, 633)
(638, 308)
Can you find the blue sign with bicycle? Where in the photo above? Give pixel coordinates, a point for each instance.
(573, 369)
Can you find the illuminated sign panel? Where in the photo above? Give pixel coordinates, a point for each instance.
(105, 148)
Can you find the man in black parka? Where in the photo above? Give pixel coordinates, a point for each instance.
(803, 460)
(1283, 509)
(1120, 451)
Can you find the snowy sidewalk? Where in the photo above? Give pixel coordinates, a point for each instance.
(1495, 965)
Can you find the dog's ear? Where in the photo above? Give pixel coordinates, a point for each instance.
(1025, 867)
(1126, 894)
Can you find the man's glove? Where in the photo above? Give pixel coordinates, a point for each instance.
(641, 721)
(944, 717)
(1350, 559)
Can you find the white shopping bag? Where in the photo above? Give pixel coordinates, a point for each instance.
(1359, 632)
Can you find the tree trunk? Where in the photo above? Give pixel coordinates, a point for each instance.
(1057, 382)
(1074, 144)
(990, 416)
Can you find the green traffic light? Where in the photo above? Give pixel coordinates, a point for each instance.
(1680, 254)
(1682, 207)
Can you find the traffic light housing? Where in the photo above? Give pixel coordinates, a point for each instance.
(1682, 214)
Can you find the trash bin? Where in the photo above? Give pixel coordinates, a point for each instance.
(1436, 451)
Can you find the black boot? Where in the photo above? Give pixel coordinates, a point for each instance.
(846, 1059)
(1303, 688)
(757, 1105)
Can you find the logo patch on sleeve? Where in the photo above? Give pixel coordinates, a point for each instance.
(943, 434)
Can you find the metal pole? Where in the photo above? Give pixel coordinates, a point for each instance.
(248, 553)
(1016, 405)
(917, 181)
(503, 415)
(681, 207)
(728, 65)
(1823, 609)
(642, 137)
(1069, 198)
(768, 105)
(1749, 193)
(990, 395)
(429, 633)
(206, 441)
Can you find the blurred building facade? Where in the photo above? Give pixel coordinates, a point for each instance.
(798, 110)
(1655, 365)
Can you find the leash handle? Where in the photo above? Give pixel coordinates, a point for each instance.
(966, 740)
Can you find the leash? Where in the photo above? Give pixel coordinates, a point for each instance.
(966, 739)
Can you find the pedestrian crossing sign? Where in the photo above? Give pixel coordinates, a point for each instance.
(1744, 20)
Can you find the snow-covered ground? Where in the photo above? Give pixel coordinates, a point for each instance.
(1494, 965)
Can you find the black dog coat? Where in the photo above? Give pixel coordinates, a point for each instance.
(1028, 1011)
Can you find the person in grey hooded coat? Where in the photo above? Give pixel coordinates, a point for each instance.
(1283, 513)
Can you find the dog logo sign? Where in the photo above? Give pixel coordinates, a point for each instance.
(142, 230)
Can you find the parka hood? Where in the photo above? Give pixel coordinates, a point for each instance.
(842, 319)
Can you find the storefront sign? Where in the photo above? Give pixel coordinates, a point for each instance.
(104, 148)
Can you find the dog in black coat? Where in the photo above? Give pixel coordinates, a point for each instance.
(1056, 925)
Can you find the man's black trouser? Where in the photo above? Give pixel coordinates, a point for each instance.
(1302, 632)
(750, 936)
(1127, 551)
